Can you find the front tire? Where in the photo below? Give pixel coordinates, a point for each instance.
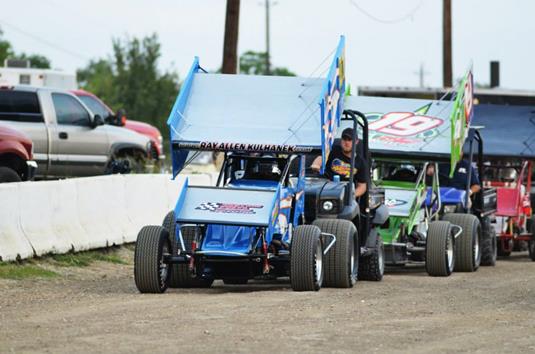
(306, 259)
(439, 253)
(467, 244)
(340, 264)
(180, 275)
(151, 274)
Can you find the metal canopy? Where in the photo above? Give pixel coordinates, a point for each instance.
(508, 131)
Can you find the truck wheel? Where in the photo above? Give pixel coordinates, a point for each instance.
(340, 264)
(151, 274)
(489, 249)
(439, 252)
(306, 259)
(467, 244)
(181, 276)
(8, 175)
(372, 267)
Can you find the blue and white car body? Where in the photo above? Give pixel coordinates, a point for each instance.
(244, 225)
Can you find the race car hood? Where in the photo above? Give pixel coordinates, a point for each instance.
(399, 201)
(227, 206)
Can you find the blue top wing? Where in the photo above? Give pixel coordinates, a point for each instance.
(247, 113)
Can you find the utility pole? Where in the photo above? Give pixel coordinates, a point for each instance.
(447, 75)
(421, 74)
(230, 46)
(268, 64)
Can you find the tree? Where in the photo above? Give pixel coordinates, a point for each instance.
(7, 52)
(254, 63)
(130, 79)
(36, 60)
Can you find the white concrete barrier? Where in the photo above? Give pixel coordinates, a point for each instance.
(173, 189)
(146, 201)
(38, 204)
(65, 221)
(94, 205)
(84, 213)
(13, 242)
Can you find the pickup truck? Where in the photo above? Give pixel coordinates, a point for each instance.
(119, 119)
(16, 153)
(69, 139)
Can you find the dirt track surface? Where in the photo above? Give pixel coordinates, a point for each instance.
(98, 309)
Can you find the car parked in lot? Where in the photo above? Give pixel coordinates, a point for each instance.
(16, 156)
(118, 118)
(69, 139)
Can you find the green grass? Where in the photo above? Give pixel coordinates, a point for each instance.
(83, 259)
(24, 271)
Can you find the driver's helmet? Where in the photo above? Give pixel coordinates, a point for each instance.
(264, 169)
(508, 174)
(404, 172)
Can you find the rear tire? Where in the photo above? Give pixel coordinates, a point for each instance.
(151, 274)
(372, 267)
(501, 251)
(439, 255)
(531, 243)
(489, 247)
(180, 275)
(8, 175)
(340, 264)
(306, 259)
(467, 244)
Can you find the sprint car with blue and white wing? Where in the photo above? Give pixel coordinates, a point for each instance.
(254, 222)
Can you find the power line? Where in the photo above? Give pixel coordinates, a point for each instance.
(389, 21)
(44, 41)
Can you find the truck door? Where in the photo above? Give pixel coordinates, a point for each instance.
(84, 148)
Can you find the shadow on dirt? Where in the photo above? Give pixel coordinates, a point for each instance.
(415, 269)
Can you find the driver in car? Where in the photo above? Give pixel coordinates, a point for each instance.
(339, 163)
(460, 176)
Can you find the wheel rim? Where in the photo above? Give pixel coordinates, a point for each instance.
(449, 251)
(319, 262)
(476, 247)
(163, 268)
(380, 259)
(352, 265)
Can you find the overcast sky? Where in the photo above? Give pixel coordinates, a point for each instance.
(303, 34)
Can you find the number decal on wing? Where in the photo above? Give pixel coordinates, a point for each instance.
(404, 124)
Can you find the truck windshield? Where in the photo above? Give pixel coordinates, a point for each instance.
(95, 106)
